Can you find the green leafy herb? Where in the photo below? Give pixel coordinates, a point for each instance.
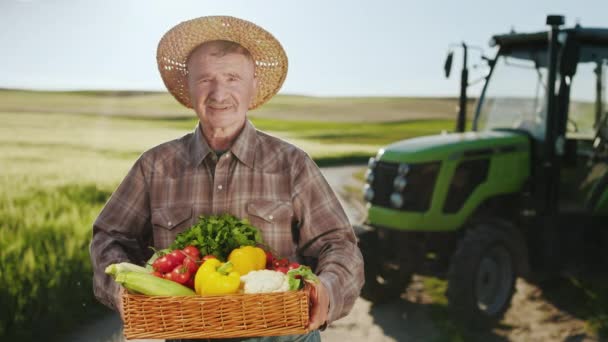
(218, 235)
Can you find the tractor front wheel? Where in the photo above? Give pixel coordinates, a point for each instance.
(482, 274)
(385, 279)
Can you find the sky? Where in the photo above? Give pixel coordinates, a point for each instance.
(335, 48)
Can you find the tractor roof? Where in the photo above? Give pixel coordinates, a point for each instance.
(593, 42)
(587, 35)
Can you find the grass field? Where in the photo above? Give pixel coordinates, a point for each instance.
(285, 107)
(62, 155)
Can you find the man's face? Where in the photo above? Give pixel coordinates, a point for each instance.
(221, 87)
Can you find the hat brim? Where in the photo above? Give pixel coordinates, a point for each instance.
(178, 43)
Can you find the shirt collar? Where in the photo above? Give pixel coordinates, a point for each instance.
(245, 144)
(199, 149)
(243, 147)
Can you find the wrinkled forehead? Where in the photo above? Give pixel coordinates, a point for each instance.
(219, 48)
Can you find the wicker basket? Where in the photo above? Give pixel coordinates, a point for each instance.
(238, 315)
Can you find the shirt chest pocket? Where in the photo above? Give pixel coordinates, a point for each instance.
(171, 217)
(270, 212)
(168, 222)
(273, 219)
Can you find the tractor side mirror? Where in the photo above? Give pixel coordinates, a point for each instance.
(447, 66)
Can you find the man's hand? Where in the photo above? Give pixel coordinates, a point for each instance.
(320, 306)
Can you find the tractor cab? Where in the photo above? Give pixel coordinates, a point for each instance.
(568, 129)
(526, 190)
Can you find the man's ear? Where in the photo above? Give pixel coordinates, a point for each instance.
(256, 87)
(256, 84)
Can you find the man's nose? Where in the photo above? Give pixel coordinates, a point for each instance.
(218, 92)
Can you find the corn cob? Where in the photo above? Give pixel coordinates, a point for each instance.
(150, 285)
(114, 269)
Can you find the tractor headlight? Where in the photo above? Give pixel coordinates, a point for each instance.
(371, 163)
(396, 200)
(399, 183)
(368, 193)
(369, 176)
(403, 169)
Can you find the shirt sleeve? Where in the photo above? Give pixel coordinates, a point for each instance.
(121, 232)
(326, 234)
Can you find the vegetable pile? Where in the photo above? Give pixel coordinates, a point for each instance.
(180, 269)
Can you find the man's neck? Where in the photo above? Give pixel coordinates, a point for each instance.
(221, 139)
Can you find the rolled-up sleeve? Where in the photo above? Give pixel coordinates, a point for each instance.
(120, 231)
(326, 234)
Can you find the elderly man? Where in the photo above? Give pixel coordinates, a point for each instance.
(222, 67)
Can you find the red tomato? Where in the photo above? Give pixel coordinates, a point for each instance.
(191, 265)
(293, 265)
(190, 283)
(282, 262)
(282, 269)
(178, 256)
(192, 251)
(157, 274)
(181, 274)
(164, 264)
(269, 259)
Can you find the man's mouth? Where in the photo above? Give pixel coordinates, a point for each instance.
(219, 107)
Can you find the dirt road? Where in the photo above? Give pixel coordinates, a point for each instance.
(531, 317)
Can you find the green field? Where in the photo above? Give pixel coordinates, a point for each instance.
(62, 154)
(285, 107)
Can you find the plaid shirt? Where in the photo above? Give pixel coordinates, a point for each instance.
(272, 183)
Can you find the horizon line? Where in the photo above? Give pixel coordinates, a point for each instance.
(148, 92)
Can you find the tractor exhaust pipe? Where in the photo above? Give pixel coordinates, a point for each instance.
(464, 83)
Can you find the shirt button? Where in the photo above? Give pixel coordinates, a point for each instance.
(169, 223)
(227, 155)
(270, 217)
(220, 187)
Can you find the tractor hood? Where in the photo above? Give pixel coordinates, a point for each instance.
(454, 146)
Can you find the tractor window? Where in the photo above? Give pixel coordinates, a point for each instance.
(515, 95)
(582, 110)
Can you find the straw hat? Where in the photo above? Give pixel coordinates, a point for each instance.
(177, 44)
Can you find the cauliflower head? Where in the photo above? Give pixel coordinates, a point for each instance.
(265, 281)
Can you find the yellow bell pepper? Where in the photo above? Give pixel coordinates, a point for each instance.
(216, 278)
(247, 258)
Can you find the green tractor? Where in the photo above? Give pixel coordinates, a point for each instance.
(524, 192)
